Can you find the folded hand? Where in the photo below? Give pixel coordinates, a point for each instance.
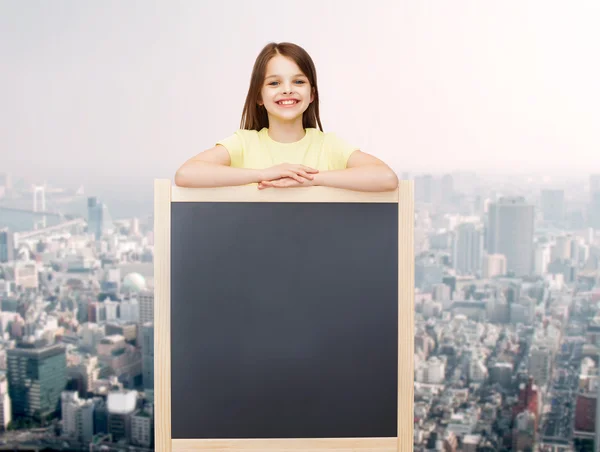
(284, 182)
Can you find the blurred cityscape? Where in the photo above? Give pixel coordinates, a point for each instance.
(507, 316)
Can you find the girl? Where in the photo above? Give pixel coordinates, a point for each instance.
(279, 145)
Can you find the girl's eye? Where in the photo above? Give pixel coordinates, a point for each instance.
(297, 81)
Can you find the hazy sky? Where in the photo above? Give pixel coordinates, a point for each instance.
(122, 92)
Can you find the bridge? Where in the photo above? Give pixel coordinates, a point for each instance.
(33, 212)
(50, 229)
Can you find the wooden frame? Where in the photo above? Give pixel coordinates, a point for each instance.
(164, 195)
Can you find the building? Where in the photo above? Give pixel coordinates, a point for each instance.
(553, 205)
(130, 310)
(36, 378)
(146, 301)
(493, 265)
(510, 232)
(84, 374)
(540, 364)
(562, 247)
(541, 259)
(524, 433)
(585, 412)
(91, 335)
(148, 355)
(126, 329)
(26, 275)
(7, 245)
(121, 406)
(468, 248)
(5, 406)
(142, 432)
(594, 209)
(99, 222)
(77, 417)
(501, 373)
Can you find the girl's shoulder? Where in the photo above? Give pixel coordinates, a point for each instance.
(245, 133)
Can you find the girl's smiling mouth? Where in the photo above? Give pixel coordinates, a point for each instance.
(287, 102)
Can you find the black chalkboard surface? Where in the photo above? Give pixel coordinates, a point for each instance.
(284, 320)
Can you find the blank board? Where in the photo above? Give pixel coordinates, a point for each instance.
(283, 319)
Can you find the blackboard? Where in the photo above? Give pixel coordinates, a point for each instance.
(283, 316)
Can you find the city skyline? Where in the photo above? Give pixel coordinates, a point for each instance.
(506, 317)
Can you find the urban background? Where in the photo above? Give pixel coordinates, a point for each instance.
(507, 301)
(492, 109)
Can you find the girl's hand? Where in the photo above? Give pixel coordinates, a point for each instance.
(284, 182)
(300, 173)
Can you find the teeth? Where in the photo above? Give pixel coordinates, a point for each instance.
(287, 102)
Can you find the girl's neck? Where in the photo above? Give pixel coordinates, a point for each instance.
(286, 132)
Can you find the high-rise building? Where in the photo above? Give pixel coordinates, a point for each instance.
(541, 258)
(585, 411)
(510, 232)
(493, 265)
(524, 431)
(99, 221)
(597, 419)
(424, 188)
(468, 248)
(121, 406)
(562, 248)
(553, 205)
(447, 188)
(5, 181)
(594, 212)
(7, 245)
(146, 300)
(130, 310)
(77, 417)
(594, 209)
(540, 364)
(142, 428)
(148, 355)
(5, 406)
(36, 377)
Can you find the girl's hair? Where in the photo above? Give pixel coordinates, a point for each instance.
(255, 116)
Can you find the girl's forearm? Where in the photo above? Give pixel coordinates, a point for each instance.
(362, 178)
(204, 175)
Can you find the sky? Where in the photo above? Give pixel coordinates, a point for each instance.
(114, 93)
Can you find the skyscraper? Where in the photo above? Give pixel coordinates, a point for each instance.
(594, 213)
(553, 205)
(7, 245)
(146, 300)
(37, 374)
(594, 209)
(99, 220)
(148, 355)
(467, 248)
(510, 232)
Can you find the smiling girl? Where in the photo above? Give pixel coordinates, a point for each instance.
(279, 144)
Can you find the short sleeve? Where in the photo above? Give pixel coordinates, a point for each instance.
(339, 151)
(235, 146)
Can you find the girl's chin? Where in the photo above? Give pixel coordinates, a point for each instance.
(292, 116)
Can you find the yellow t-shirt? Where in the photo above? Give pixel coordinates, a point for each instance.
(257, 150)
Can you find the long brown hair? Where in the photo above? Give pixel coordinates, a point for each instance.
(254, 117)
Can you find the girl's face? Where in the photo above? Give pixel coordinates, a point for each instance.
(285, 81)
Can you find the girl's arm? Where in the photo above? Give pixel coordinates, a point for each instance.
(211, 168)
(363, 172)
